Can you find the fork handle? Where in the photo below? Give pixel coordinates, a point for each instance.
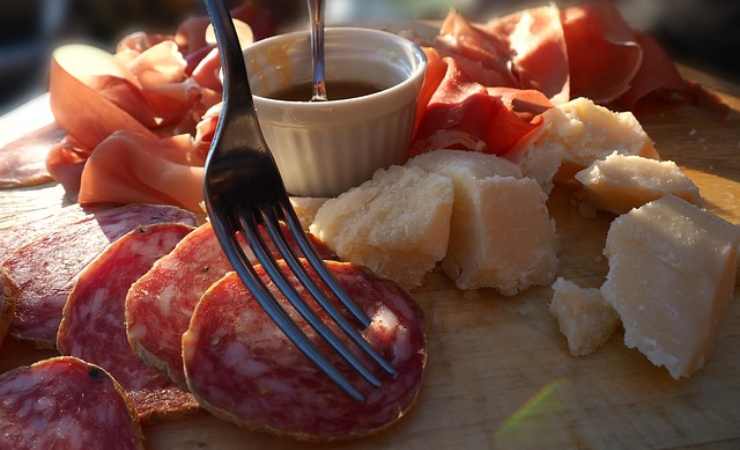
(236, 94)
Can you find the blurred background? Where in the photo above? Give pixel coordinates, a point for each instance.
(702, 33)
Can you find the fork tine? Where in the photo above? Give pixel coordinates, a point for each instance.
(278, 315)
(318, 265)
(274, 231)
(249, 227)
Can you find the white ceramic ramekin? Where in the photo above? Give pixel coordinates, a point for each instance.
(324, 148)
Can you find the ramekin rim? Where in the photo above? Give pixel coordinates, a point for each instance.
(410, 80)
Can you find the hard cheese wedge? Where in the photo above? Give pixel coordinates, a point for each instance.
(306, 208)
(585, 318)
(671, 276)
(620, 183)
(576, 134)
(501, 234)
(396, 224)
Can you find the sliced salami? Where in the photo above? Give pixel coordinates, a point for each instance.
(160, 303)
(242, 368)
(93, 328)
(8, 294)
(23, 162)
(28, 230)
(45, 268)
(65, 403)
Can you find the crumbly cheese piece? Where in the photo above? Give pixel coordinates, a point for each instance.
(620, 183)
(541, 164)
(306, 208)
(576, 134)
(465, 163)
(671, 275)
(501, 234)
(397, 224)
(585, 318)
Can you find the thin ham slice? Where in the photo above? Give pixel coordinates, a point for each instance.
(466, 114)
(476, 51)
(540, 57)
(84, 113)
(139, 41)
(207, 70)
(127, 96)
(65, 162)
(23, 161)
(657, 72)
(131, 168)
(525, 50)
(436, 69)
(603, 54)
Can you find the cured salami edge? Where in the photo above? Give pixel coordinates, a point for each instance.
(306, 437)
(159, 415)
(152, 359)
(183, 216)
(118, 388)
(145, 355)
(8, 294)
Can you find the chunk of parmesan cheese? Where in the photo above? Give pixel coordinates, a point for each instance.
(501, 234)
(584, 317)
(671, 275)
(306, 208)
(620, 183)
(541, 164)
(576, 134)
(397, 224)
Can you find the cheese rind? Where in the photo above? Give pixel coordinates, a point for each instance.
(671, 275)
(501, 234)
(619, 183)
(397, 224)
(576, 134)
(584, 317)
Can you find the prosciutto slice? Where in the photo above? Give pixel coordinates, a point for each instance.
(524, 50)
(128, 167)
(86, 114)
(65, 162)
(603, 54)
(539, 55)
(23, 162)
(465, 114)
(657, 72)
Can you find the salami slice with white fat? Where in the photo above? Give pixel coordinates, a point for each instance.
(65, 403)
(160, 303)
(242, 368)
(45, 268)
(26, 231)
(93, 328)
(8, 294)
(23, 162)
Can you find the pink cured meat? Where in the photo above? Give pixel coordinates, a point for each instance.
(46, 268)
(242, 368)
(25, 232)
(65, 404)
(93, 326)
(23, 162)
(160, 303)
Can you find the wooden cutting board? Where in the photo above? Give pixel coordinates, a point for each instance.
(499, 373)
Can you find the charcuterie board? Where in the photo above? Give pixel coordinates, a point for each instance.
(499, 373)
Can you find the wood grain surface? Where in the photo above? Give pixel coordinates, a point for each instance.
(499, 373)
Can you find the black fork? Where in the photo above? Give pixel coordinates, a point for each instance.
(243, 189)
